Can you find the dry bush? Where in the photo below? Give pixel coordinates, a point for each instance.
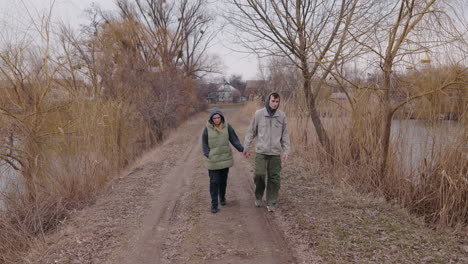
(449, 103)
(73, 132)
(441, 191)
(79, 145)
(161, 93)
(436, 189)
(26, 221)
(88, 141)
(94, 139)
(249, 108)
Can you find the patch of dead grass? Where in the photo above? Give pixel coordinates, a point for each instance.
(344, 226)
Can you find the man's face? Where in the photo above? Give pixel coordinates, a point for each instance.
(274, 102)
(216, 119)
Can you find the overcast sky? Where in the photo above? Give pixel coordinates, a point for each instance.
(13, 12)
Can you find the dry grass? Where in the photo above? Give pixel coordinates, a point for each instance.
(25, 221)
(426, 173)
(326, 212)
(71, 116)
(81, 146)
(94, 139)
(450, 99)
(345, 226)
(249, 109)
(78, 145)
(441, 194)
(66, 148)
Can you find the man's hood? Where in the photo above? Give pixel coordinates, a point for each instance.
(270, 111)
(213, 112)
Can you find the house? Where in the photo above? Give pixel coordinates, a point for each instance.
(226, 93)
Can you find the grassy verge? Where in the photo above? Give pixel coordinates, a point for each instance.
(344, 226)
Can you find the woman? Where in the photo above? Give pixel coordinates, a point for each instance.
(215, 141)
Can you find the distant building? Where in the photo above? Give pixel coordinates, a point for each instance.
(226, 93)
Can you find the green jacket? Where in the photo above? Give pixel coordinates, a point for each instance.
(220, 155)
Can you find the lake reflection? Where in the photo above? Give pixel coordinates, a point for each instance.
(8, 177)
(417, 140)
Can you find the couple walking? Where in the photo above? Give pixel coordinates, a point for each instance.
(270, 128)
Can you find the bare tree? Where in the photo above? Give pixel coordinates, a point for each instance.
(282, 76)
(28, 74)
(398, 36)
(80, 51)
(311, 34)
(178, 33)
(237, 82)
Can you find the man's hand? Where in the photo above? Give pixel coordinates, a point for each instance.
(285, 158)
(246, 154)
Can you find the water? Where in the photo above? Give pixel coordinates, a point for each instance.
(416, 141)
(9, 177)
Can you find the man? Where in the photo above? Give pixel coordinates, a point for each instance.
(270, 127)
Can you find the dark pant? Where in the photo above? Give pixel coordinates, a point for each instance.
(218, 182)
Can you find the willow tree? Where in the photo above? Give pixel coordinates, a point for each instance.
(406, 28)
(27, 75)
(310, 33)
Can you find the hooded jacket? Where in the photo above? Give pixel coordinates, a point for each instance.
(271, 130)
(215, 143)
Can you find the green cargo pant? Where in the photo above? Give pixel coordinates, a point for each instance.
(267, 165)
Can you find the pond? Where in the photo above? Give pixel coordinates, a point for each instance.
(8, 177)
(417, 140)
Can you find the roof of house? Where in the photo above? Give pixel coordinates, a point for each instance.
(226, 88)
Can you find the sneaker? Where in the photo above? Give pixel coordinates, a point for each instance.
(223, 202)
(271, 208)
(258, 203)
(214, 210)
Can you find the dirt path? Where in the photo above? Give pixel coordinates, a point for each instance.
(180, 228)
(158, 212)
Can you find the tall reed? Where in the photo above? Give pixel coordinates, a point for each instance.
(428, 161)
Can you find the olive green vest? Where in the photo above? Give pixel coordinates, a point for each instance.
(220, 156)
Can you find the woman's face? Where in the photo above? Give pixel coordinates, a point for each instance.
(216, 119)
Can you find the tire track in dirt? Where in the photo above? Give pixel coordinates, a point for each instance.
(147, 243)
(238, 233)
(269, 218)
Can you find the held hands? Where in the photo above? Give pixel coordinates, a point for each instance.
(246, 154)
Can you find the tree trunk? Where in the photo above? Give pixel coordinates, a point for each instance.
(388, 114)
(314, 116)
(387, 125)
